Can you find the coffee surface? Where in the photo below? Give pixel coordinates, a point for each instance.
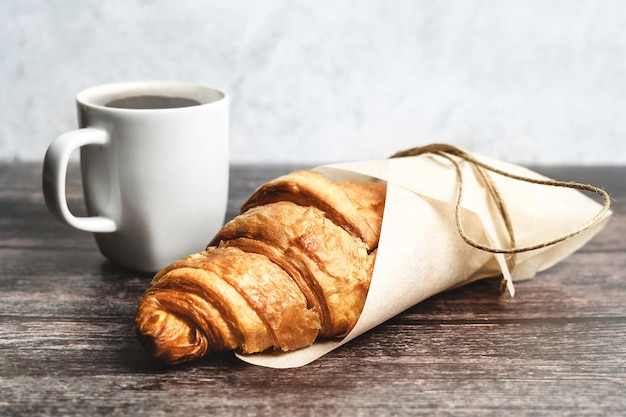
(151, 102)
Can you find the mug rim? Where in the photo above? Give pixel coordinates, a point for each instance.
(98, 96)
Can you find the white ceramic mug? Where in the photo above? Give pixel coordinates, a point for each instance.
(155, 179)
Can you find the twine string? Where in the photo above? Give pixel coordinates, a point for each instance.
(449, 152)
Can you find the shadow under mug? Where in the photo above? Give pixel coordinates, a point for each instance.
(154, 166)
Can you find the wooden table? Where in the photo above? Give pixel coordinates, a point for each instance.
(67, 343)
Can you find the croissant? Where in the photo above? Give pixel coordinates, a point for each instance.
(295, 265)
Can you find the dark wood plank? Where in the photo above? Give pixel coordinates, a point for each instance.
(67, 344)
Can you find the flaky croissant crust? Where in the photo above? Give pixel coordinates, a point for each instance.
(294, 266)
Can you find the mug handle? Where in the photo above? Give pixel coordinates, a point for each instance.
(54, 177)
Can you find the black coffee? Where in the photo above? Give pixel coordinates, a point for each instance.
(151, 102)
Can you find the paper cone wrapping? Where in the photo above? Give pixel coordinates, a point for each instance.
(421, 252)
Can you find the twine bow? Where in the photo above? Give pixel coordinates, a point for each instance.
(451, 152)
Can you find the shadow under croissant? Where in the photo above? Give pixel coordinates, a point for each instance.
(135, 359)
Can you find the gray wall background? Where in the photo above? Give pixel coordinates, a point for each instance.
(323, 81)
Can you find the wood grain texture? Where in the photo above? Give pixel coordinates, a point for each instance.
(67, 344)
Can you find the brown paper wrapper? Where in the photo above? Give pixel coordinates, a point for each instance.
(421, 252)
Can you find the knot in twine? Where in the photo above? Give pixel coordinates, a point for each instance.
(451, 152)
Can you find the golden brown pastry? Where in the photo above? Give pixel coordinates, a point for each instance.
(295, 265)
